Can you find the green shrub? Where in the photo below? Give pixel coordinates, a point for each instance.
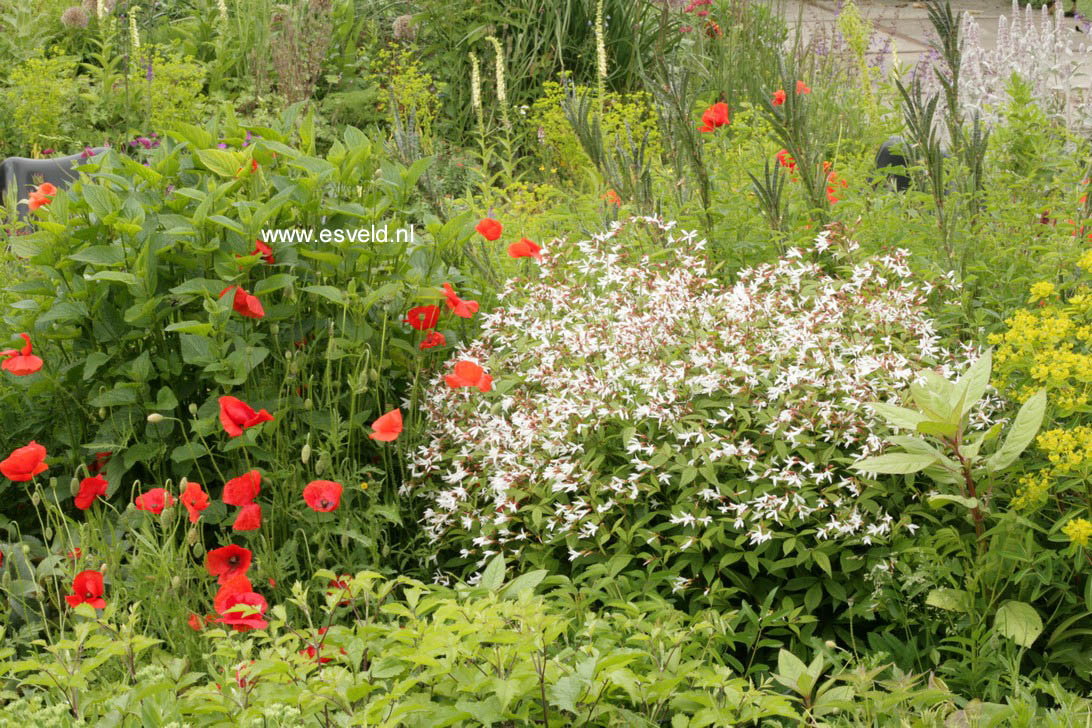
(43, 95)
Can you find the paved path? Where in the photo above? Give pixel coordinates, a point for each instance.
(904, 22)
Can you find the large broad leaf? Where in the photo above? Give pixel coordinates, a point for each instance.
(1023, 430)
(493, 576)
(898, 463)
(907, 419)
(940, 499)
(220, 161)
(972, 385)
(1019, 622)
(954, 600)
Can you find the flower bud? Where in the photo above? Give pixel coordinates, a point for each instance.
(166, 517)
(155, 418)
(308, 404)
(275, 329)
(74, 486)
(102, 568)
(193, 408)
(323, 463)
(176, 582)
(102, 413)
(191, 536)
(198, 550)
(305, 453)
(48, 533)
(36, 499)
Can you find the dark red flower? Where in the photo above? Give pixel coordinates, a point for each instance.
(489, 228)
(236, 415)
(786, 160)
(227, 562)
(239, 611)
(322, 495)
(715, 116)
(525, 249)
(461, 308)
(237, 584)
(265, 250)
(423, 318)
(154, 501)
(469, 374)
(195, 499)
(24, 462)
(101, 458)
(87, 588)
(434, 338)
(388, 427)
(90, 488)
(339, 587)
(778, 97)
(243, 490)
(195, 622)
(249, 518)
(244, 303)
(20, 362)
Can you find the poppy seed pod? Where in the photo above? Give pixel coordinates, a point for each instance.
(198, 550)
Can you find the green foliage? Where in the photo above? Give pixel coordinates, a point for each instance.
(43, 94)
(174, 92)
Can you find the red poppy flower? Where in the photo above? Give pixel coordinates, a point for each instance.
(832, 182)
(312, 650)
(239, 611)
(525, 249)
(786, 160)
(227, 562)
(41, 195)
(87, 589)
(237, 584)
(101, 458)
(249, 518)
(802, 88)
(778, 97)
(265, 250)
(322, 495)
(339, 587)
(154, 501)
(388, 427)
(24, 462)
(90, 488)
(20, 362)
(715, 116)
(461, 308)
(243, 490)
(195, 499)
(612, 198)
(75, 554)
(434, 338)
(236, 415)
(489, 228)
(469, 374)
(195, 622)
(423, 318)
(244, 303)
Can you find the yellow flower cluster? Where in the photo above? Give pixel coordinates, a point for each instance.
(1032, 491)
(1040, 290)
(1066, 449)
(1078, 530)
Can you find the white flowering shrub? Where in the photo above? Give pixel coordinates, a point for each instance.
(641, 409)
(1047, 54)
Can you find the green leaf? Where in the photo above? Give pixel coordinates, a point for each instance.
(493, 576)
(190, 327)
(336, 295)
(523, 582)
(953, 600)
(220, 161)
(104, 255)
(940, 499)
(114, 276)
(898, 416)
(937, 429)
(1019, 622)
(102, 201)
(897, 463)
(972, 385)
(228, 223)
(1020, 435)
(793, 673)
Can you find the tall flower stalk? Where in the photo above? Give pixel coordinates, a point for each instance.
(502, 92)
(601, 56)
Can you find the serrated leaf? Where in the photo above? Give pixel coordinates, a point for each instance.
(1019, 622)
(953, 600)
(493, 576)
(1020, 435)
